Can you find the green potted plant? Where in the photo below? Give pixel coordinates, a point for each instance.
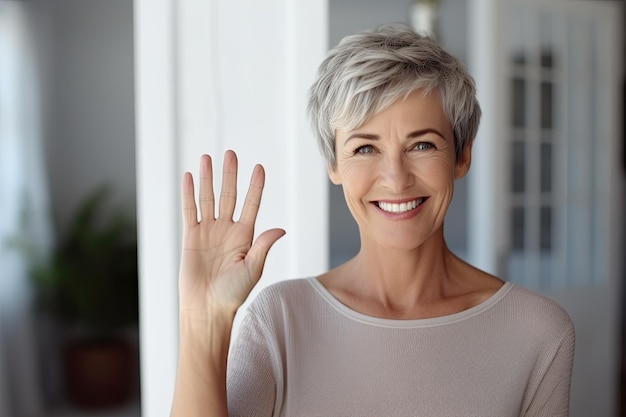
(89, 282)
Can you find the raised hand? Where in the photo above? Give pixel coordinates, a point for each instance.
(220, 262)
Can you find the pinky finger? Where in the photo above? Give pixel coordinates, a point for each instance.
(188, 201)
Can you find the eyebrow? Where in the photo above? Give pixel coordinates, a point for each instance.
(414, 134)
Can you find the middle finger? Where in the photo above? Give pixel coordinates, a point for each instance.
(207, 199)
(228, 195)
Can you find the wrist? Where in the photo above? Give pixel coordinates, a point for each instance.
(206, 331)
(202, 362)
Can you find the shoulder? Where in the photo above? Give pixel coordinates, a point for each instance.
(537, 312)
(283, 291)
(280, 308)
(539, 304)
(282, 297)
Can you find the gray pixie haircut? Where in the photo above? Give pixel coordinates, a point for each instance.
(367, 72)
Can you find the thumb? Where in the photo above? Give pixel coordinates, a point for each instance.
(258, 252)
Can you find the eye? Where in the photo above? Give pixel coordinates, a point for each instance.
(424, 146)
(364, 150)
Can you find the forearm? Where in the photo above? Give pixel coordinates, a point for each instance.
(201, 376)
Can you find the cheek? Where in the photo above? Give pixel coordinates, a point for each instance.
(355, 171)
(355, 182)
(439, 169)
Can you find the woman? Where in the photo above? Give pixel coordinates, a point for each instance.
(403, 328)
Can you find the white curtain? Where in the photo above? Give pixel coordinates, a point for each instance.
(23, 200)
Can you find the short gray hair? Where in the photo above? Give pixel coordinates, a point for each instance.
(369, 71)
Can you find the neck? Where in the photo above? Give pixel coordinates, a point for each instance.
(396, 276)
(427, 281)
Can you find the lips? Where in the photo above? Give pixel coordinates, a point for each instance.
(402, 207)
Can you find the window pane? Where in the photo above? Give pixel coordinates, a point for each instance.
(546, 27)
(546, 167)
(546, 105)
(517, 228)
(518, 118)
(547, 59)
(545, 221)
(519, 58)
(518, 29)
(518, 167)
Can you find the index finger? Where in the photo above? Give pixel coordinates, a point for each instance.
(253, 197)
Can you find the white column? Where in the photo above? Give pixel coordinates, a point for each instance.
(306, 35)
(485, 186)
(157, 214)
(210, 76)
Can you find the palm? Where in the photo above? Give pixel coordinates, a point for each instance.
(220, 263)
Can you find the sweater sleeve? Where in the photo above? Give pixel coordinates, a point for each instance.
(551, 397)
(250, 381)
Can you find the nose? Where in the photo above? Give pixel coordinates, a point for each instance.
(396, 173)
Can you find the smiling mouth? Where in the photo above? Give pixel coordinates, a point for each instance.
(400, 207)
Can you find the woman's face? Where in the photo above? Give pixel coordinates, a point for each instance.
(398, 171)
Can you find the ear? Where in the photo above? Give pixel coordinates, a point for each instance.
(463, 163)
(333, 174)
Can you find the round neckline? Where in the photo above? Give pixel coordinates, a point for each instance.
(410, 323)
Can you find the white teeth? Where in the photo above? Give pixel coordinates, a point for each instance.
(400, 207)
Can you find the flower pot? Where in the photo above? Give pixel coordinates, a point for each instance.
(99, 373)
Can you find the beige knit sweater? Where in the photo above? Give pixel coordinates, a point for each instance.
(300, 352)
